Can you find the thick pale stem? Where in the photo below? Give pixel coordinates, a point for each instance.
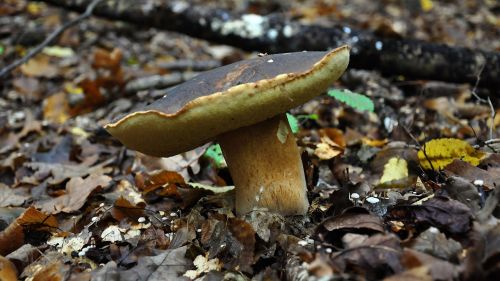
(264, 162)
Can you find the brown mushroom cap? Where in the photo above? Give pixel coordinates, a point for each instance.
(227, 98)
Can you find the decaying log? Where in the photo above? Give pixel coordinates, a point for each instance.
(276, 33)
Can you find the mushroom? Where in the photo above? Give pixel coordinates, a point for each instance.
(242, 106)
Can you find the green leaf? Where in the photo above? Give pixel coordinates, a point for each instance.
(2, 49)
(355, 100)
(294, 120)
(214, 152)
(308, 116)
(294, 123)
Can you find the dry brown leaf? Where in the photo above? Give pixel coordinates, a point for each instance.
(28, 88)
(124, 209)
(40, 66)
(30, 220)
(353, 220)
(10, 197)
(8, 271)
(489, 179)
(56, 271)
(56, 108)
(334, 134)
(77, 191)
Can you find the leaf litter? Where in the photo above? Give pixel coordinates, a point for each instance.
(75, 203)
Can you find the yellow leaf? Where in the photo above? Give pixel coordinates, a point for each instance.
(395, 169)
(441, 152)
(426, 5)
(34, 8)
(72, 89)
(57, 51)
(374, 143)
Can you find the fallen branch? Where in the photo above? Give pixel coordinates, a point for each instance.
(276, 33)
(53, 36)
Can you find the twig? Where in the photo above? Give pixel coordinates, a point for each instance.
(486, 101)
(54, 35)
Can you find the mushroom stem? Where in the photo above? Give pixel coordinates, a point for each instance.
(265, 164)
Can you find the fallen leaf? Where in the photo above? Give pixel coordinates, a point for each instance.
(489, 180)
(60, 153)
(30, 222)
(28, 88)
(11, 197)
(448, 215)
(165, 265)
(378, 256)
(437, 269)
(40, 66)
(232, 240)
(463, 191)
(353, 220)
(332, 144)
(203, 265)
(435, 243)
(56, 108)
(441, 152)
(124, 209)
(51, 272)
(326, 152)
(77, 191)
(56, 173)
(395, 169)
(8, 271)
(58, 51)
(374, 143)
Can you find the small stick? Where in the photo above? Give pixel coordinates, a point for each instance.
(54, 35)
(486, 101)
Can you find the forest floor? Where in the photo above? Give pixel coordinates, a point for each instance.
(75, 204)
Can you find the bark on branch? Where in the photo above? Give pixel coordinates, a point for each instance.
(276, 33)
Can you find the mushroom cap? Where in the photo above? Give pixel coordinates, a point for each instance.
(228, 98)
